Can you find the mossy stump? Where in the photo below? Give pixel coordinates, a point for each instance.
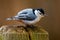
(19, 33)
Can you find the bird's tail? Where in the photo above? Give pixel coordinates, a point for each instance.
(13, 18)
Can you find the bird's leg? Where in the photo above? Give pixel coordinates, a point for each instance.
(27, 27)
(30, 26)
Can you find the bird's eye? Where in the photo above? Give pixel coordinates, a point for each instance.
(40, 13)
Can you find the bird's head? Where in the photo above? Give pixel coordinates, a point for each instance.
(40, 12)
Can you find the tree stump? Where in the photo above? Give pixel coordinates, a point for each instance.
(17, 32)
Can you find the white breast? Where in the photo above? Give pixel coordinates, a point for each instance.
(34, 21)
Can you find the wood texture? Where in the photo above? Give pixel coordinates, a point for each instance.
(12, 33)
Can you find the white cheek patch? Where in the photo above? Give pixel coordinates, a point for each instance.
(39, 11)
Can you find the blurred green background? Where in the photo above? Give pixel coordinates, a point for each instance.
(51, 22)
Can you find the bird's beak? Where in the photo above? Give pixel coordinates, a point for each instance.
(43, 15)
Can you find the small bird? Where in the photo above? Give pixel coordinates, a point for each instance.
(29, 16)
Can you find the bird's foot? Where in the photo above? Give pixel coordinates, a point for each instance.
(31, 27)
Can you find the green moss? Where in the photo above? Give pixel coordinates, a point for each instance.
(38, 34)
(1, 37)
(15, 33)
(16, 36)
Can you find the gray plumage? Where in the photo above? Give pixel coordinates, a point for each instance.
(29, 15)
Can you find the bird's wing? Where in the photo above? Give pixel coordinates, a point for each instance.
(26, 16)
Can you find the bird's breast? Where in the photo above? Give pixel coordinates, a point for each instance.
(32, 21)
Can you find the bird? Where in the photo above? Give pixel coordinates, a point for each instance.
(29, 16)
